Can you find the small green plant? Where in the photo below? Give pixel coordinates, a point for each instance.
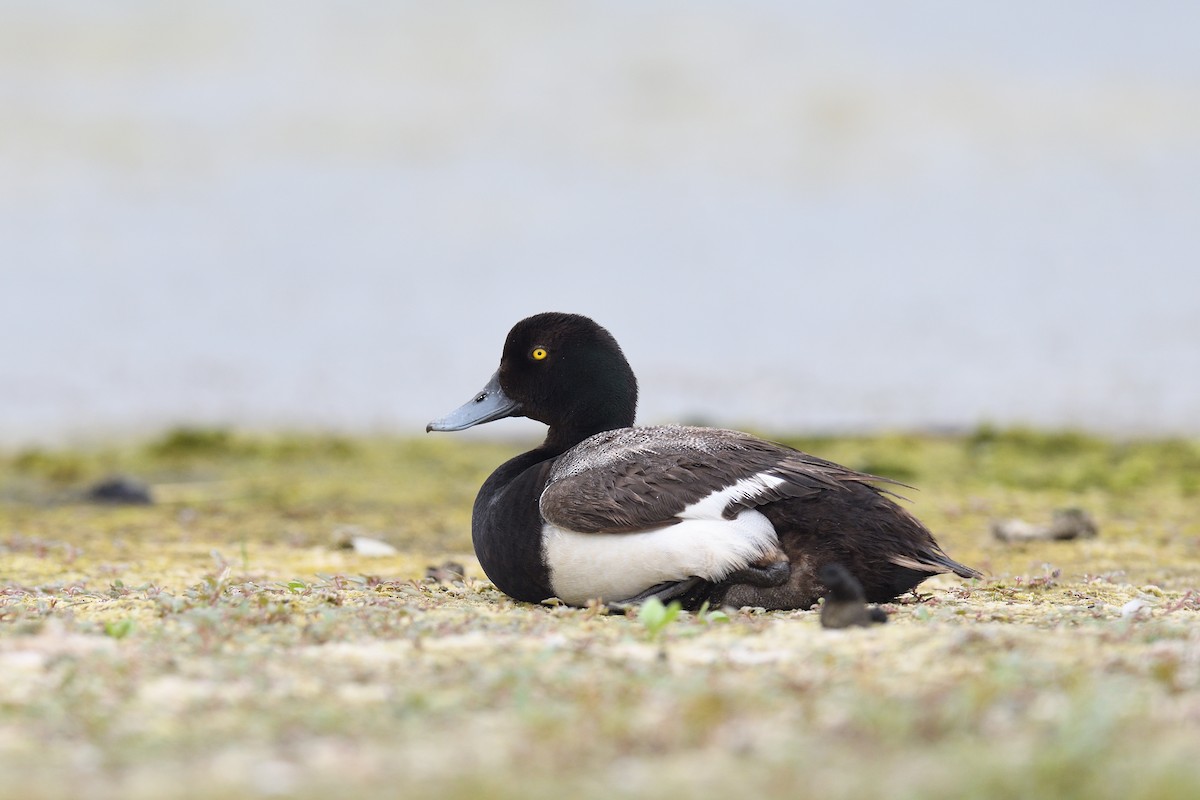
(711, 616)
(655, 617)
(118, 629)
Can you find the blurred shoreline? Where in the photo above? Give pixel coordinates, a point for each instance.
(792, 216)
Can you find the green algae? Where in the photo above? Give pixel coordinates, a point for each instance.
(221, 641)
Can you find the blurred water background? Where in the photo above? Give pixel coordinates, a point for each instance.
(793, 215)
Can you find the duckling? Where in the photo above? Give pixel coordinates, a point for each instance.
(845, 604)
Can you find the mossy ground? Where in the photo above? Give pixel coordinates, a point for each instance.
(216, 644)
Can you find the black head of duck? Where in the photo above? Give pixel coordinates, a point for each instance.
(604, 510)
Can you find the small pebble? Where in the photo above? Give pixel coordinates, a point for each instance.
(120, 490)
(1134, 607)
(1066, 524)
(374, 548)
(351, 537)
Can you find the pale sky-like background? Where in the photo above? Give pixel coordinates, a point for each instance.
(792, 215)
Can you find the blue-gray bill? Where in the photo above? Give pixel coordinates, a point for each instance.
(490, 403)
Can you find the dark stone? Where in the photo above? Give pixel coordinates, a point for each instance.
(120, 490)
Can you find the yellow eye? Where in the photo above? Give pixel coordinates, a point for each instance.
(538, 353)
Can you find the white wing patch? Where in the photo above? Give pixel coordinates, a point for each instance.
(713, 506)
(617, 566)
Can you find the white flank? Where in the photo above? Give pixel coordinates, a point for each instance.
(617, 566)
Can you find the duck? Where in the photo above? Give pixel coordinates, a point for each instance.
(603, 511)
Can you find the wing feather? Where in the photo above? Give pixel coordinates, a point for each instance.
(635, 479)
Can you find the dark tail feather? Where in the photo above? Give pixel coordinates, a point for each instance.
(935, 561)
